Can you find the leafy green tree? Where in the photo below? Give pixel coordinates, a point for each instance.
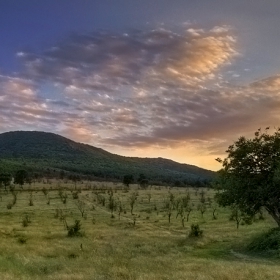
(127, 180)
(250, 177)
(74, 178)
(5, 179)
(21, 177)
(143, 181)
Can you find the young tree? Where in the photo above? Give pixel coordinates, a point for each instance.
(132, 200)
(119, 208)
(250, 177)
(31, 198)
(239, 217)
(149, 196)
(81, 205)
(214, 208)
(202, 208)
(14, 194)
(112, 205)
(188, 211)
(169, 208)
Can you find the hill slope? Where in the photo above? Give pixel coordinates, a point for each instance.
(38, 151)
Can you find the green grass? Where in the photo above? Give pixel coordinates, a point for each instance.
(114, 248)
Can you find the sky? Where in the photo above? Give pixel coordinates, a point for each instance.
(179, 79)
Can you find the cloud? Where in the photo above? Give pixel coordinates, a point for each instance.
(22, 108)
(216, 117)
(19, 104)
(103, 61)
(270, 84)
(139, 90)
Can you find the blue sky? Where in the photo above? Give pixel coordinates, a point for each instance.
(176, 79)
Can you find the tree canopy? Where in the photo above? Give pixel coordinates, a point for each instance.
(250, 177)
(127, 180)
(21, 177)
(5, 179)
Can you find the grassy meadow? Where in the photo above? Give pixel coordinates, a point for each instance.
(117, 242)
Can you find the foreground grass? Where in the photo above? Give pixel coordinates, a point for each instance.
(114, 248)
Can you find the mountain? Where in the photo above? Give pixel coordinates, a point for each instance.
(43, 152)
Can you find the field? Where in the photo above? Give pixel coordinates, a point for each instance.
(117, 242)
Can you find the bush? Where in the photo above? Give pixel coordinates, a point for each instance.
(195, 231)
(74, 230)
(25, 221)
(9, 205)
(75, 195)
(22, 239)
(267, 242)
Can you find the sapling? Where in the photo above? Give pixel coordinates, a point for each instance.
(188, 211)
(45, 191)
(202, 208)
(239, 216)
(48, 199)
(63, 196)
(168, 207)
(112, 204)
(14, 194)
(149, 197)
(119, 208)
(183, 219)
(214, 207)
(202, 197)
(31, 199)
(132, 200)
(81, 207)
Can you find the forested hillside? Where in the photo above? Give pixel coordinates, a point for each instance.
(41, 152)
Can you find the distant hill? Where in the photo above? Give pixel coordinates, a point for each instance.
(47, 152)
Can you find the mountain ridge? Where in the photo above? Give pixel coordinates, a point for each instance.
(49, 150)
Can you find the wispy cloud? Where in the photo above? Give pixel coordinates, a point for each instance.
(103, 61)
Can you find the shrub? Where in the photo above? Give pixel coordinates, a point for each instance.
(72, 256)
(45, 191)
(22, 240)
(267, 242)
(75, 195)
(75, 230)
(25, 221)
(9, 205)
(195, 231)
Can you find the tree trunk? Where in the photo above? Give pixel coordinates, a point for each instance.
(274, 213)
(183, 222)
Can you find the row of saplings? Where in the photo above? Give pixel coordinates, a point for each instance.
(181, 205)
